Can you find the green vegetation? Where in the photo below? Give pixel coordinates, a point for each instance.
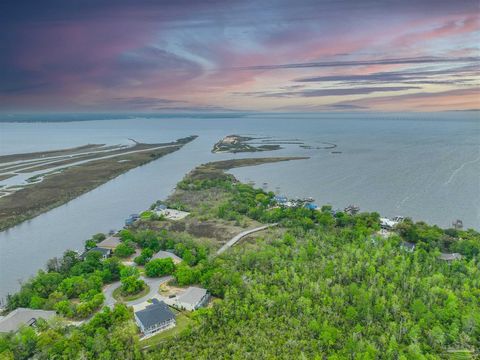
(159, 267)
(71, 286)
(125, 249)
(118, 295)
(110, 334)
(131, 283)
(321, 285)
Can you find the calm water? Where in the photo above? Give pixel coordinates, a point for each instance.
(426, 166)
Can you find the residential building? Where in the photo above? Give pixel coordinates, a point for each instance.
(23, 316)
(110, 242)
(167, 254)
(155, 318)
(192, 299)
(105, 253)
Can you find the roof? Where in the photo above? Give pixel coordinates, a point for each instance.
(193, 295)
(166, 254)
(449, 257)
(20, 316)
(110, 242)
(156, 313)
(408, 245)
(102, 251)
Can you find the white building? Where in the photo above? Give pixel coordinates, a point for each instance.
(192, 299)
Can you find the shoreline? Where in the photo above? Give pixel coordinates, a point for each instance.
(60, 188)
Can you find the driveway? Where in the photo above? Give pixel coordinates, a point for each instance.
(153, 283)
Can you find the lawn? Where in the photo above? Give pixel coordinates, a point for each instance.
(182, 322)
(117, 295)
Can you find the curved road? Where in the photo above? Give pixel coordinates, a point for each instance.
(153, 283)
(237, 237)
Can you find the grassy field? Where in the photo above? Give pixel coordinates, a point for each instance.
(182, 323)
(59, 188)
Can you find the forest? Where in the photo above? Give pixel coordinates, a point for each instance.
(324, 284)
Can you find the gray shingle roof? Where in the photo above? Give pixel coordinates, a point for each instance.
(166, 254)
(192, 295)
(156, 313)
(110, 242)
(20, 316)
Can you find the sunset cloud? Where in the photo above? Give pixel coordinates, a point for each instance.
(177, 55)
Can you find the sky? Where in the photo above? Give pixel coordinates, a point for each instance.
(212, 55)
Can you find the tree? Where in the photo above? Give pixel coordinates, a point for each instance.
(124, 250)
(132, 285)
(159, 267)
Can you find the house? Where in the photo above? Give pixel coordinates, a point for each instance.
(154, 318)
(311, 206)
(280, 199)
(407, 246)
(387, 224)
(450, 257)
(110, 242)
(160, 207)
(105, 253)
(351, 209)
(22, 316)
(192, 299)
(131, 219)
(167, 254)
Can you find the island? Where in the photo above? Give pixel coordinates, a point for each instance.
(237, 144)
(33, 183)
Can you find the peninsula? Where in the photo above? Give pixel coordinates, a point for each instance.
(33, 183)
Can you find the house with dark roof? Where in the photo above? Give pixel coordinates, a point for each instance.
(105, 253)
(23, 316)
(154, 318)
(192, 299)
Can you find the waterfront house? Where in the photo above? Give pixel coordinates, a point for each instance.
(105, 253)
(22, 316)
(167, 254)
(351, 209)
(450, 256)
(155, 318)
(110, 242)
(387, 224)
(160, 207)
(311, 206)
(192, 299)
(131, 219)
(279, 199)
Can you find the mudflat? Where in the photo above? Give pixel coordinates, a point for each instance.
(59, 186)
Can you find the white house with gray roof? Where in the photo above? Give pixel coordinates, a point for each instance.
(155, 318)
(23, 316)
(192, 299)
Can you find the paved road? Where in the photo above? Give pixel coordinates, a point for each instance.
(153, 283)
(237, 237)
